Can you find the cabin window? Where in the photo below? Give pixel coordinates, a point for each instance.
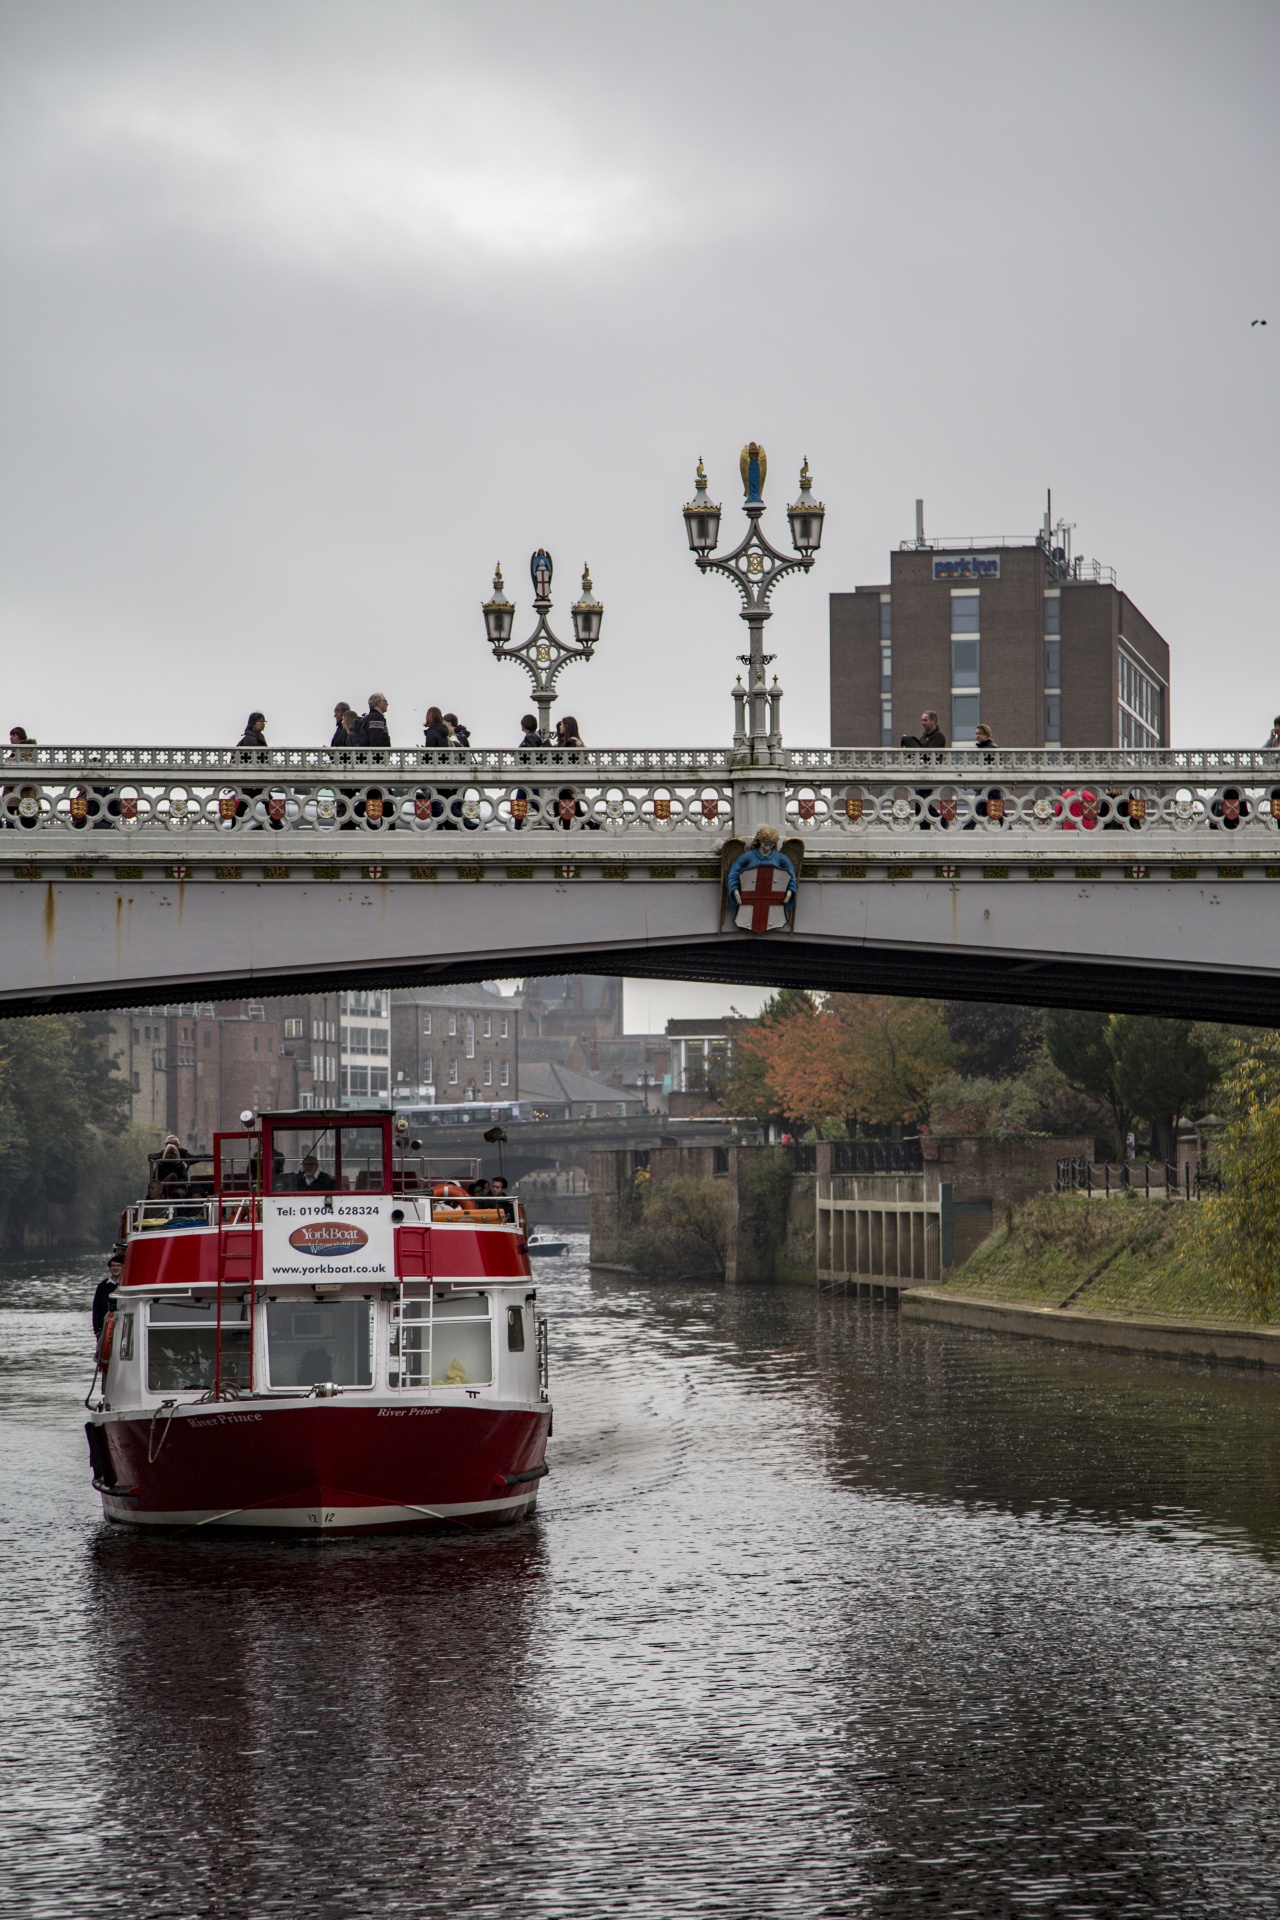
(515, 1329)
(309, 1342)
(457, 1337)
(124, 1344)
(181, 1344)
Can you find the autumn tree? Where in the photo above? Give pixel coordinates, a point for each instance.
(865, 1059)
(745, 1090)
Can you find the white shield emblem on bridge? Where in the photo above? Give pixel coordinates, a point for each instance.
(764, 900)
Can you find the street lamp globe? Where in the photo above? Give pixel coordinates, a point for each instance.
(498, 613)
(702, 517)
(806, 516)
(587, 615)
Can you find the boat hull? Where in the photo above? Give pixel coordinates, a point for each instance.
(322, 1467)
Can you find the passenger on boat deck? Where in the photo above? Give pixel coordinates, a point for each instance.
(480, 1189)
(498, 1184)
(312, 1178)
(171, 1167)
(105, 1291)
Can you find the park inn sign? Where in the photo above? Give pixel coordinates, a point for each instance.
(966, 566)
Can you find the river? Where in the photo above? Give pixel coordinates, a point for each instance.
(825, 1612)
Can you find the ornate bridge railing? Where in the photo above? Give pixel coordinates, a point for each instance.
(834, 798)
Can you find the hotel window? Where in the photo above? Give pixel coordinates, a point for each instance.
(358, 1079)
(453, 1026)
(1141, 706)
(504, 1027)
(886, 671)
(504, 1074)
(471, 1037)
(356, 1040)
(377, 1079)
(1053, 719)
(428, 1071)
(453, 1073)
(342, 1081)
(1053, 670)
(426, 1023)
(1053, 613)
(966, 670)
(359, 1003)
(293, 1029)
(379, 1040)
(488, 1026)
(488, 1073)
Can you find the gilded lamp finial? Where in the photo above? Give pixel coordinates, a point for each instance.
(499, 591)
(753, 466)
(586, 580)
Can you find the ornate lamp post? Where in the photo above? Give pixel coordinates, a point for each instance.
(755, 567)
(543, 654)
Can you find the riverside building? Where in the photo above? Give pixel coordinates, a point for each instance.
(1010, 630)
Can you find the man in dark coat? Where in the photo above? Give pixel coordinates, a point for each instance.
(371, 729)
(104, 1297)
(930, 734)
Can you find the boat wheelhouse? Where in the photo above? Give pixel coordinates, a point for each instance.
(321, 1329)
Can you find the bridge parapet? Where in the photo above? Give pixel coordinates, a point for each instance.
(469, 806)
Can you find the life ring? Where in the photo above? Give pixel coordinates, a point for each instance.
(105, 1340)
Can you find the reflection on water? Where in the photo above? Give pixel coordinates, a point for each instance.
(825, 1613)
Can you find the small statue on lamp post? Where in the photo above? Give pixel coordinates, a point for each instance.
(543, 654)
(755, 567)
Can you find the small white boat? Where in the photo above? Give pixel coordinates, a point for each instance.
(548, 1246)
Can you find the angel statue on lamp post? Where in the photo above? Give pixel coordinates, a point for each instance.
(543, 654)
(755, 567)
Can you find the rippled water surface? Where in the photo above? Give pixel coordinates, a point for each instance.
(824, 1613)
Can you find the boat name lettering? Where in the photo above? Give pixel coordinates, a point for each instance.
(226, 1420)
(405, 1413)
(328, 1237)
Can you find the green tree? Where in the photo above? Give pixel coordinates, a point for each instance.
(1240, 1231)
(68, 1158)
(1080, 1048)
(1162, 1069)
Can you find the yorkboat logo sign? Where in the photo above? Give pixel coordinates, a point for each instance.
(327, 1238)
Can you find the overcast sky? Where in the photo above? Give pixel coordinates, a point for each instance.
(311, 311)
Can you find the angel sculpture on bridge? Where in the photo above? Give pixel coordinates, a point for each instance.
(761, 881)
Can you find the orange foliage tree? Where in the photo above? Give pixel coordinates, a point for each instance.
(865, 1058)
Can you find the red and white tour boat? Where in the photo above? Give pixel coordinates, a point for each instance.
(316, 1332)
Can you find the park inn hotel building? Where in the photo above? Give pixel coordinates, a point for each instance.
(1043, 648)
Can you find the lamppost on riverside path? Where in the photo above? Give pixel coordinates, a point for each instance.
(755, 568)
(543, 654)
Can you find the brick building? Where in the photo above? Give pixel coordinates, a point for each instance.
(453, 1044)
(1043, 648)
(194, 1068)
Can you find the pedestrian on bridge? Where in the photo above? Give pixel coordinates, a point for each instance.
(345, 721)
(254, 734)
(371, 728)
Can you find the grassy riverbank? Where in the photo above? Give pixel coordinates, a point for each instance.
(1121, 1256)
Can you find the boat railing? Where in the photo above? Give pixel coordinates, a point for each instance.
(245, 1210)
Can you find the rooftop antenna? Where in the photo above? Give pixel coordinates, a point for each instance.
(919, 523)
(1048, 515)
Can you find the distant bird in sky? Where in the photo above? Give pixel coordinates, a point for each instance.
(1257, 323)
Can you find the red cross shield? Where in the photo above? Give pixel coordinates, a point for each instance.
(764, 900)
